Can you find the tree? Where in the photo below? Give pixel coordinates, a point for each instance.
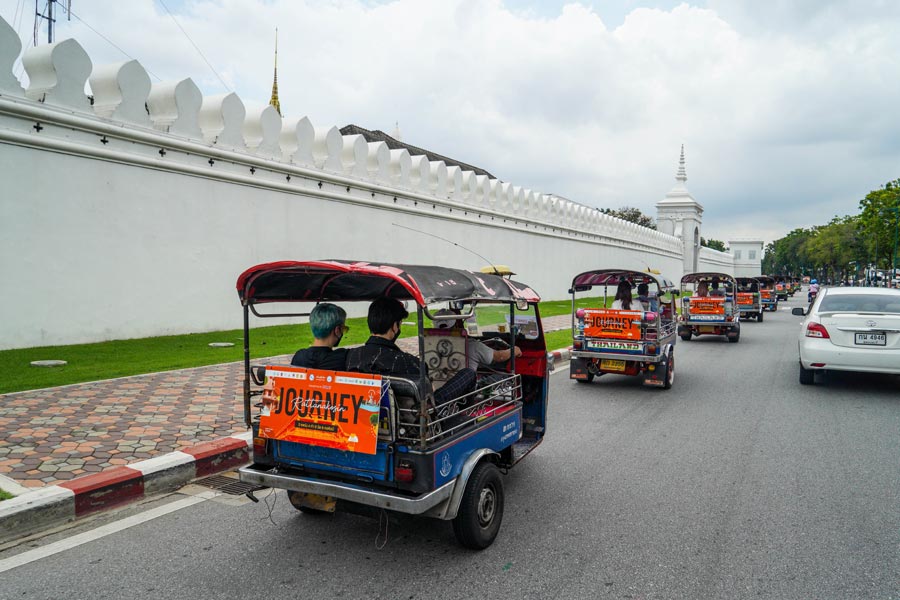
(632, 215)
(878, 222)
(714, 244)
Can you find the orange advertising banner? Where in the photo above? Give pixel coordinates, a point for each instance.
(707, 306)
(323, 408)
(766, 294)
(615, 324)
(745, 298)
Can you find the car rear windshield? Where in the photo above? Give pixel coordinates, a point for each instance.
(861, 303)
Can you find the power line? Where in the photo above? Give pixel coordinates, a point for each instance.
(225, 85)
(110, 42)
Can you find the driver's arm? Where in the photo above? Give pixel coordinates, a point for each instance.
(503, 355)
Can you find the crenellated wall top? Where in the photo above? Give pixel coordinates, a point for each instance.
(122, 94)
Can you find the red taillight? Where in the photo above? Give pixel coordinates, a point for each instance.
(577, 344)
(259, 446)
(817, 330)
(405, 472)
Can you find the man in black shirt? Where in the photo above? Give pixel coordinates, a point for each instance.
(381, 356)
(327, 323)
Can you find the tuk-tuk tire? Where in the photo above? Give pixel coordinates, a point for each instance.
(670, 370)
(480, 514)
(686, 336)
(759, 317)
(735, 339)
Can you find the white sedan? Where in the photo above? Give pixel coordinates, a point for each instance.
(851, 329)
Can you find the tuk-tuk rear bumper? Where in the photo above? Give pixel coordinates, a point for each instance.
(649, 358)
(350, 492)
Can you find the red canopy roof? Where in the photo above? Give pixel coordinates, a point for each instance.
(343, 280)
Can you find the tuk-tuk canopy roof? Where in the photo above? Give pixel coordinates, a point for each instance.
(698, 277)
(614, 276)
(743, 280)
(346, 280)
(765, 278)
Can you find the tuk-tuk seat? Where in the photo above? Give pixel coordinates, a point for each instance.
(445, 354)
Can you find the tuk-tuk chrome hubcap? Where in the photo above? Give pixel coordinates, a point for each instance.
(486, 506)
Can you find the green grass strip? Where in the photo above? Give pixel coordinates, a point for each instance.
(121, 358)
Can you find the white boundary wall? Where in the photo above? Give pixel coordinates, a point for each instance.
(713, 260)
(134, 215)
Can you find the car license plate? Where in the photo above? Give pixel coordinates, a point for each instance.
(871, 339)
(612, 365)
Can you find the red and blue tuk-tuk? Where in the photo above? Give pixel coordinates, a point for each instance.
(348, 440)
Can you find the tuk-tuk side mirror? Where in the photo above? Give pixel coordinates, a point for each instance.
(798, 311)
(522, 304)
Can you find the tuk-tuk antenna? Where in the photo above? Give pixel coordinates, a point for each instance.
(496, 271)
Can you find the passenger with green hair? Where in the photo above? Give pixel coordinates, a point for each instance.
(327, 323)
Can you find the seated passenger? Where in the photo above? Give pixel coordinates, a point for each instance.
(623, 300)
(650, 303)
(381, 356)
(326, 321)
(478, 354)
(702, 290)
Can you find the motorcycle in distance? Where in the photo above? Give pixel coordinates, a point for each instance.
(813, 290)
(368, 443)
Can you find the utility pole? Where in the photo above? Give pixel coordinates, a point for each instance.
(51, 20)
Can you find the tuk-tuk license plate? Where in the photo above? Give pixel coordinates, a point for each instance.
(612, 365)
(871, 339)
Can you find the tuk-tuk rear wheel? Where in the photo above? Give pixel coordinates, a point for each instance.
(481, 509)
(670, 371)
(759, 317)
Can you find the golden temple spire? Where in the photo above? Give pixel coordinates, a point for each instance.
(274, 100)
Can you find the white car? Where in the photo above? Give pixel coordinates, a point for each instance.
(850, 329)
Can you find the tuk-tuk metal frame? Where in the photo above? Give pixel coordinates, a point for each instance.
(755, 309)
(446, 444)
(657, 343)
(730, 324)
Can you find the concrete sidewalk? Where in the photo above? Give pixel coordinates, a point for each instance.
(81, 448)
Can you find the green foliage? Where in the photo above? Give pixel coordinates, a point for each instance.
(843, 246)
(4, 495)
(714, 244)
(632, 215)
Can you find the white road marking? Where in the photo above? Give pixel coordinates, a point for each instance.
(100, 532)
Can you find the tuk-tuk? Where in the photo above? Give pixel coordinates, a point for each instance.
(708, 306)
(782, 289)
(352, 441)
(639, 341)
(767, 293)
(795, 286)
(748, 300)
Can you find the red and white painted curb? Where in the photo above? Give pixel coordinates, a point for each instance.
(557, 356)
(117, 486)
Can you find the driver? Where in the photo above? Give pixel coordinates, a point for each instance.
(380, 354)
(478, 354)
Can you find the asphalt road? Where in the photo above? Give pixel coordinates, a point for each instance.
(737, 483)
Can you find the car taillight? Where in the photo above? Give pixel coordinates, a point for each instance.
(817, 330)
(405, 472)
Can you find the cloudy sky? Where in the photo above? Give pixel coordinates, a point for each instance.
(789, 110)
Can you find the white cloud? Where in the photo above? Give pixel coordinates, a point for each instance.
(787, 114)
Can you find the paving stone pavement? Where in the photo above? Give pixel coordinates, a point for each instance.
(56, 434)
